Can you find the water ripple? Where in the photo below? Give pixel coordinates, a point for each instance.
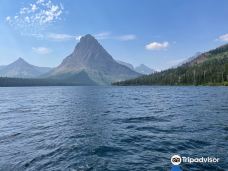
(112, 128)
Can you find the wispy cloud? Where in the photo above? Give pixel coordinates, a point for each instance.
(41, 50)
(35, 15)
(108, 35)
(69, 37)
(102, 35)
(8, 18)
(62, 37)
(157, 46)
(126, 37)
(223, 38)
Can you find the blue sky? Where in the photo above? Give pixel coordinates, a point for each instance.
(158, 33)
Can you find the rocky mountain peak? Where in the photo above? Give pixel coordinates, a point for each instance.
(89, 56)
(87, 42)
(20, 60)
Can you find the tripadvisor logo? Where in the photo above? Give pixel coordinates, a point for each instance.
(175, 159)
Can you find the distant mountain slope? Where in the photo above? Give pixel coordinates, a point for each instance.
(21, 69)
(210, 68)
(143, 69)
(126, 64)
(218, 53)
(2, 66)
(91, 58)
(187, 60)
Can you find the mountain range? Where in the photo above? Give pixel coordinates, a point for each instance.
(91, 64)
(22, 69)
(209, 68)
(88, 64)
(142, 69)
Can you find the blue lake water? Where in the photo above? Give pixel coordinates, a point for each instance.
(112, 128)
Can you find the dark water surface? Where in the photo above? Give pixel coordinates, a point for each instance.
(112, 128)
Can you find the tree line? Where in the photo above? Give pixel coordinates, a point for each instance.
(210, 72)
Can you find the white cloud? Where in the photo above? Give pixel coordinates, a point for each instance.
(36, 16)
(78, 37)
(41, 50)
(49, 15)
(157, 46)
(33, 7)
(223, 38)
(23, 11)
(27, 19)
(8, 18)
(40, 1)
(126, 37)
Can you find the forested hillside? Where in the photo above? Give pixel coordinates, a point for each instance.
(210, 68)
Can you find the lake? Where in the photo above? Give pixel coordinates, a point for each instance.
(112, 128)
